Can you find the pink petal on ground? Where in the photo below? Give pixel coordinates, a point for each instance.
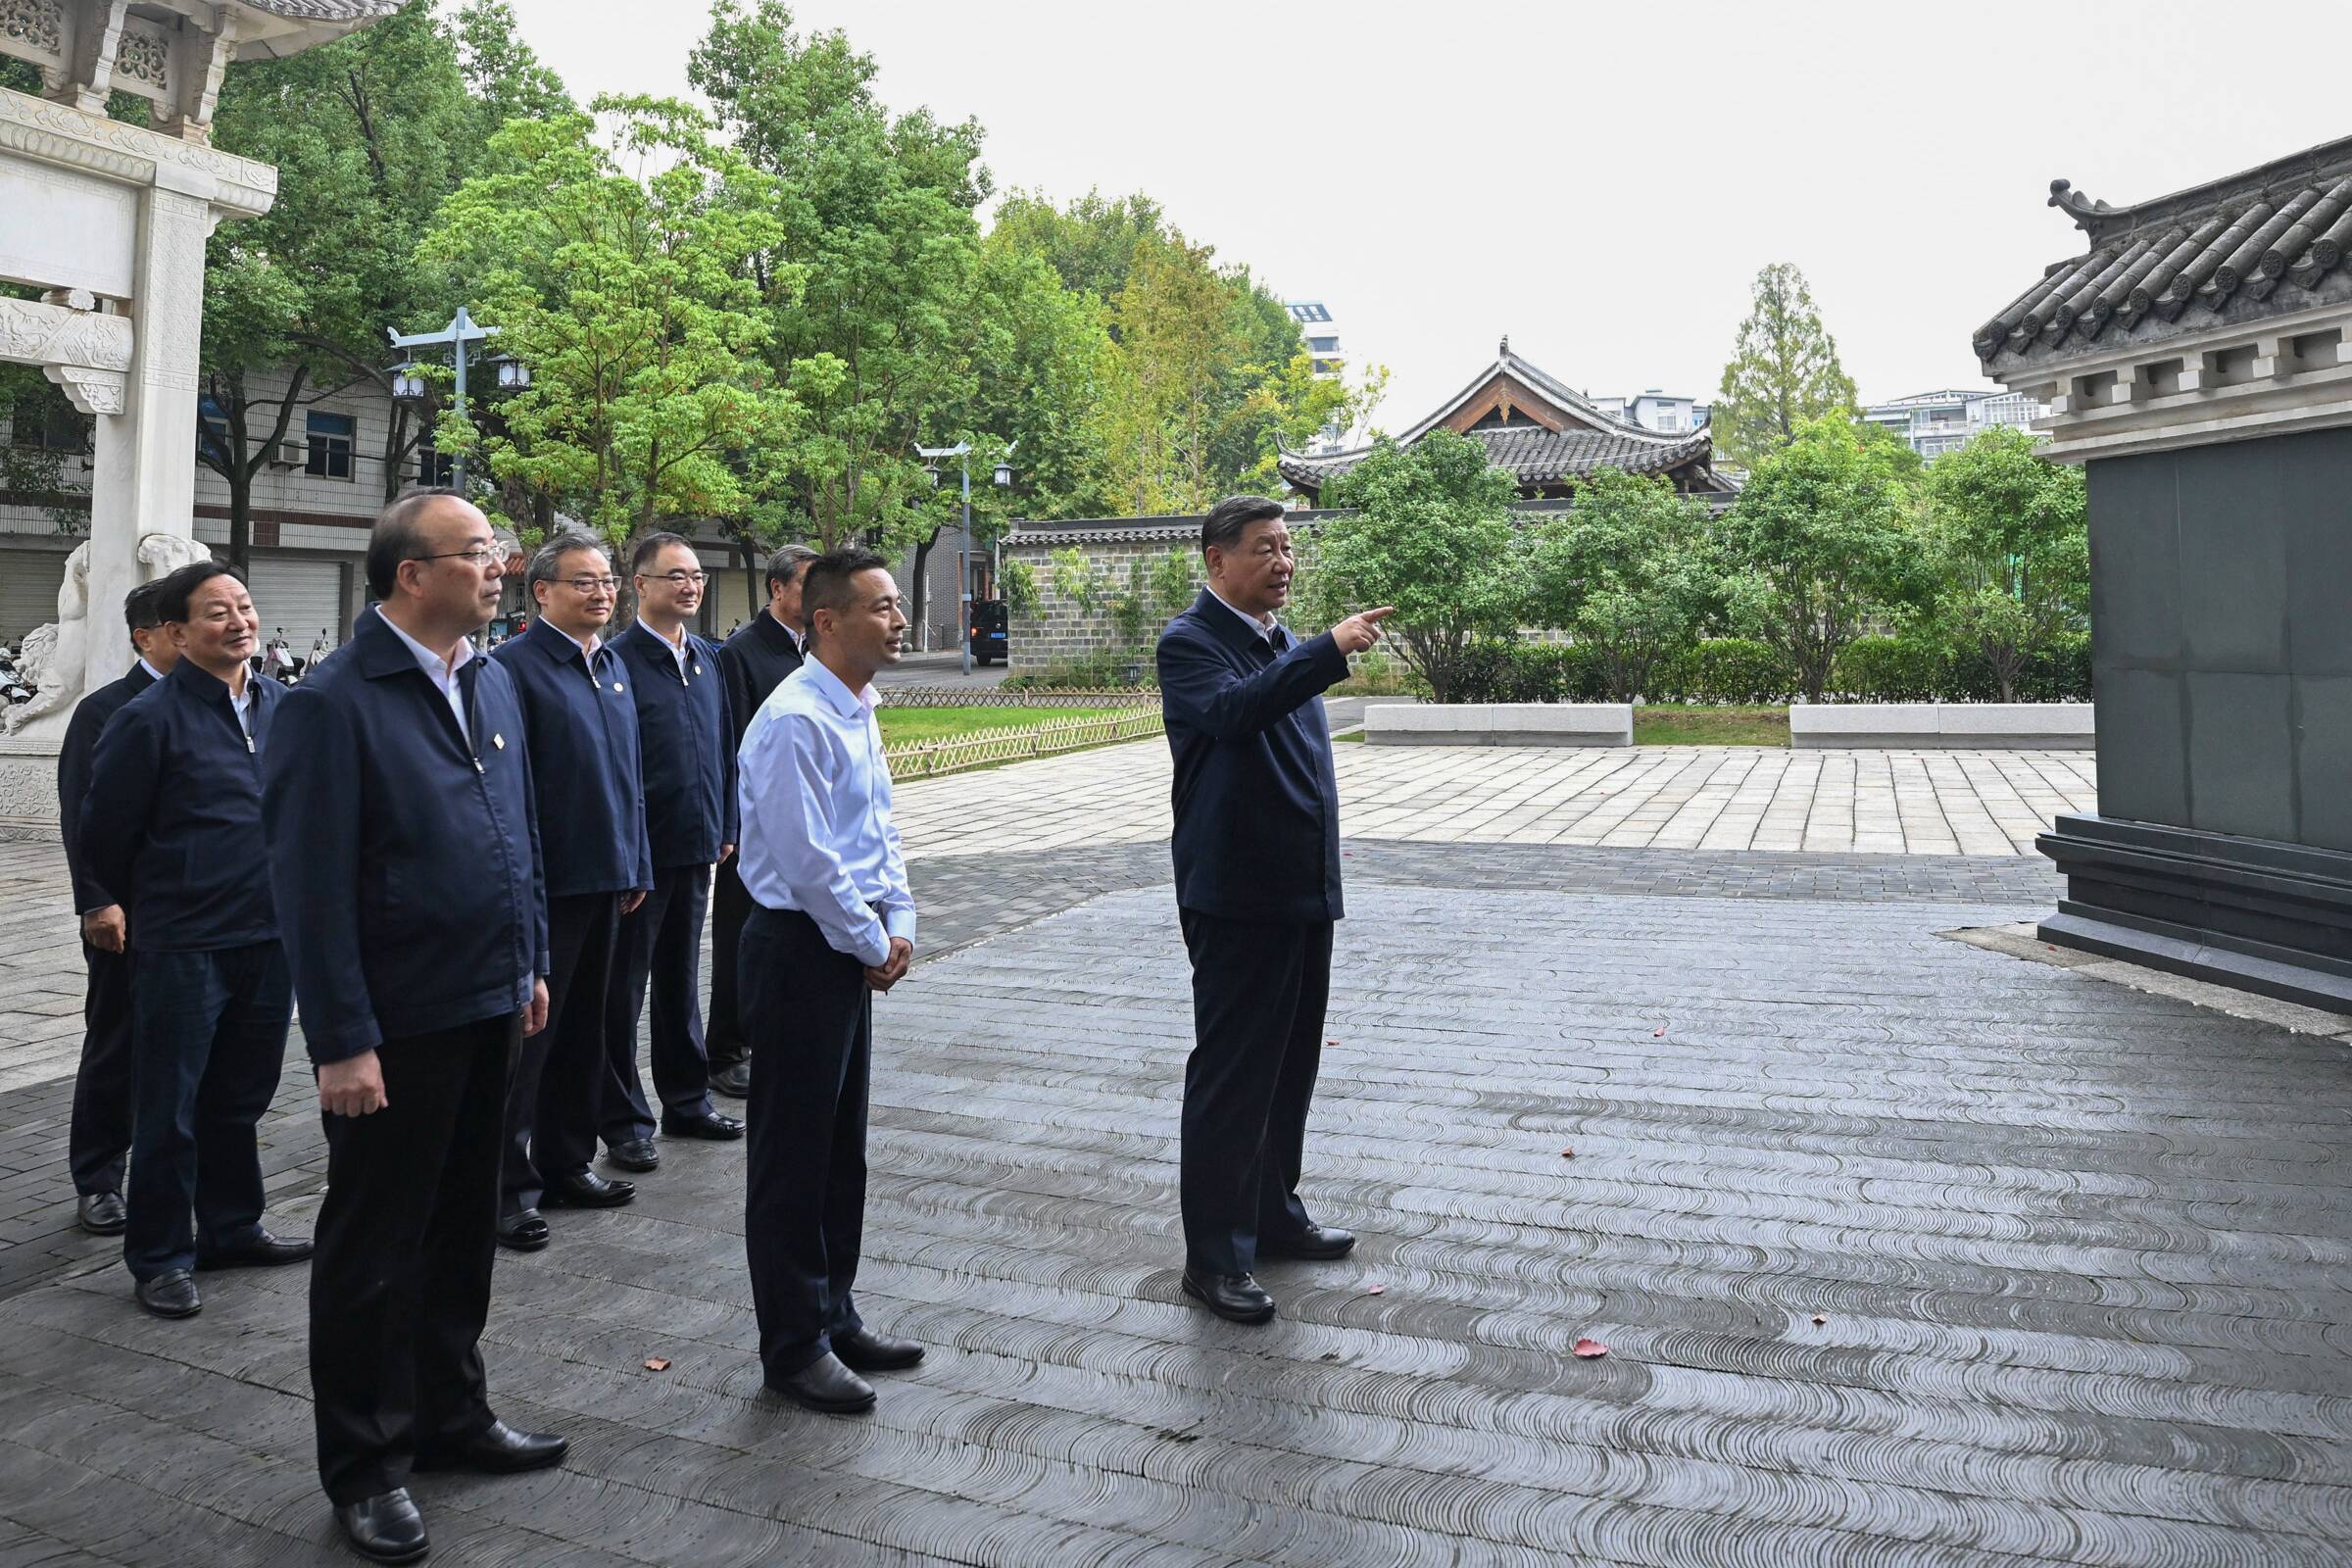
(1818, 1320)
(1374, 1290)
(1590, 1349)
(1657, 1034)
(1567, 1154)
(657, 1364)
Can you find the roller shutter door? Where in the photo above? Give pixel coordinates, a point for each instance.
(300, 594)
(29, 584)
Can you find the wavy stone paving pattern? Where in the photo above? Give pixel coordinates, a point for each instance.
(2080, 1251)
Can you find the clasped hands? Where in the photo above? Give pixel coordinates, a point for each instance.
(891, 971)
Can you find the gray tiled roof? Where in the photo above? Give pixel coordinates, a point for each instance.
(2259, 243)
(1535, 456)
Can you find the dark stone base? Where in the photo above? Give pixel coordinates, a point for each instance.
(2260, 915)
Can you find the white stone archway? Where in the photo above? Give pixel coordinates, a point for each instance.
(110, 220)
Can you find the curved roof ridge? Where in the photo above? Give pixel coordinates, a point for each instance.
(2318, 165)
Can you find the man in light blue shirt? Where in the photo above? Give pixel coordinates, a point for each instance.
(832, 923)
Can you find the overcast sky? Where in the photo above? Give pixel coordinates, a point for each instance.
(1599, 181)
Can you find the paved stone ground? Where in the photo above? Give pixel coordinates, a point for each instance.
(2080, 1253)
(1649, 797)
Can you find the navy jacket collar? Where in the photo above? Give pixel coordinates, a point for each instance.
(378, 647)
(202, 685)
(1226, 626)
(556, 643)
(774, 633)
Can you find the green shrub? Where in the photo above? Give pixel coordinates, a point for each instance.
(1724, 669)
(1498, 672)
(1889, 669)
(1107, 671)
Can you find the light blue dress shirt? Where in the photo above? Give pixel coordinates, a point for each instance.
(444, 671)
(816, 829)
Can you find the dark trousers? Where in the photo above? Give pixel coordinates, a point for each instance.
(100, 1134)
(1259, 995)
(660, 942)
(208, 1035)
(554, 1100)
(730, 907)
(805, 1206)
(400, 1287)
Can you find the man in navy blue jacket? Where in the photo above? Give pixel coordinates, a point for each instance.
(404, 849)
(686, 739)
(99, 1135)
(1256, 847)
(580, 725)
(171, 829)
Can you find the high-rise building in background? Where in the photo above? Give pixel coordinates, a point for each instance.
(1323, 346)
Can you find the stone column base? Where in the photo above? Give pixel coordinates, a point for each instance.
(2257, 914)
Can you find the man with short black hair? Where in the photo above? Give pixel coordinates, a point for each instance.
(99, 1134)
(833, 924)
(757, 659)
(404, 847)
(686, 746)
(1256, 848)
(172, 829)
(581, 728)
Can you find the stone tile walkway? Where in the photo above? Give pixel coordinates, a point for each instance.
(1907, 1254)
(1653, 797)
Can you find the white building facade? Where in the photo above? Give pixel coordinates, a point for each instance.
(1932, 424)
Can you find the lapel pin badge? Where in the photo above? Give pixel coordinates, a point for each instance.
(498, 741)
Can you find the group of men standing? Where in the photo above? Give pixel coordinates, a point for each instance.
(471, 871)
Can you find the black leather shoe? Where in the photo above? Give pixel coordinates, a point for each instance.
(524, 1231)
(1318, 1243)
(735, 1082)
(1235, 1298)
(101, 1213)
(585, 1188)
(634, 1153)
(500, 1450)
(828, 1388)
(387, 1527)
(261, 1250)
(868, 1352)
(708, 1125)
(171, 1295)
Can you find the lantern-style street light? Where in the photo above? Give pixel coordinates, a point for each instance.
(962, 452)
(462, 331)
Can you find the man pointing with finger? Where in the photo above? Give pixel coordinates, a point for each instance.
(1257, 888)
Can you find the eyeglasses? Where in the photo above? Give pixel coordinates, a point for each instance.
(680, 579)
(477, 557)
(593, 585)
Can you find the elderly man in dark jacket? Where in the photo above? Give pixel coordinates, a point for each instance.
(581, 727)
(405, 852)
(1256, 847)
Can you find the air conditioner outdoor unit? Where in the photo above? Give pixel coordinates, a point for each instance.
(288, 455)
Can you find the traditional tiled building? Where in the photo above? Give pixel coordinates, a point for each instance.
(2196, 357)
(1549, 434)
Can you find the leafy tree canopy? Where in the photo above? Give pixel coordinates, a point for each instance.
(2013, 546)
(1784, 371)
(1630, 572)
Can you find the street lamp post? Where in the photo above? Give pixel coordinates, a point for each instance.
(962, 452)
(462, 331)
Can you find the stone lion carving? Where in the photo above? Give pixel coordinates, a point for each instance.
(57, 656)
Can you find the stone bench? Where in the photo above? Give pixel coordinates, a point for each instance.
(1941, 726)
(1499, 724)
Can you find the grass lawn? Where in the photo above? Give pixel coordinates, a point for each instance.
(905, 727)
(1676, 725)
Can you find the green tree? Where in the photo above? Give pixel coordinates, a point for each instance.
(1431, 535)
(881, 339)
(369, 135)
(619, 270)
(1784, 371)
(1821, 538)
(1630, 572)
(2013, 549)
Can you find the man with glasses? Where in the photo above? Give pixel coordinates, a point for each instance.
(171, 829)
(580, 728)
(404, 849)
(756, 660)
(686, 745)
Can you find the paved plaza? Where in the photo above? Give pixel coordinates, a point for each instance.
(1905, 1252)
